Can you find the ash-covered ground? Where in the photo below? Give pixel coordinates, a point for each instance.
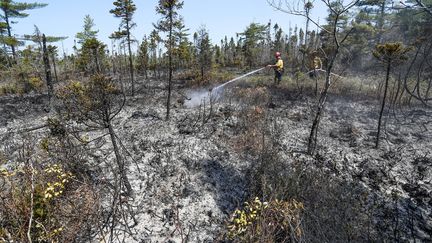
(190, 173)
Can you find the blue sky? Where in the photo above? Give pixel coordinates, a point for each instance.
(221, 17)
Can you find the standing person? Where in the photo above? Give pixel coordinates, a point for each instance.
(278, 67)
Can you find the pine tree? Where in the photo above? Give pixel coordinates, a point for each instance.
(169, 22)
(13, 10)
(125, 9)
(88, 31)
(239, 53)
(415, 21)
(4, 58)
(380, 8)
(37, 37)
(308, 5)
(252, 39)
(47, 68)
(361, 41)
(96, 104)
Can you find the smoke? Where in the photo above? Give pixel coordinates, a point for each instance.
(199, 97)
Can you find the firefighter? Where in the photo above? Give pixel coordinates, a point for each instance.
(316, 64)
(278, 68)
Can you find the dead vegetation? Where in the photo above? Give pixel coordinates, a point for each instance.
(250, 145)
(42, 200)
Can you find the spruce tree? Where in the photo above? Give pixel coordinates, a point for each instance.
(154, 40)
(182, 47)
(143, 57)
(204, 50)
(92, 51)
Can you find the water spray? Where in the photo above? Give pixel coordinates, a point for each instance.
(233, 80)
(200, 96)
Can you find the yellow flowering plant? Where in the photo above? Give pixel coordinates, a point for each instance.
(273, 221)
(60, 178)
(242, 219)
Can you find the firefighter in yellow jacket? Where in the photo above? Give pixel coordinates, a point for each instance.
(278, 67)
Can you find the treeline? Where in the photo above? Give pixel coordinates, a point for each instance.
(345, 43)
(369, 23)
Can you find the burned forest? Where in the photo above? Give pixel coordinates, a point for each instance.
(313, 131)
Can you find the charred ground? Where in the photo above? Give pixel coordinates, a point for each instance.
(189, 173)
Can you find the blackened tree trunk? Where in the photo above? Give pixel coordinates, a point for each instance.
(55, 67)
(383, 104)
(381, 21)
(113, 61)
(119, 159)
(96, 60)
(170, 46)
(47, 69)
(9, 31)
(312, 141)
(307, 8)
(131, 70)
(390, 54)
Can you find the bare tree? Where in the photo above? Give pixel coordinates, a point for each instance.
(52, 50)
(390, 54)
(47, 70)
(418, 4)
(299, 8)
(424, 7)
(96, 104)
(417, 70)
(337, 9)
